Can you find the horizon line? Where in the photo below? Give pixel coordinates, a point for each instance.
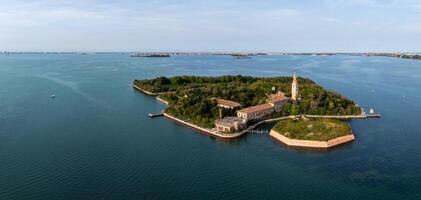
(224, 52)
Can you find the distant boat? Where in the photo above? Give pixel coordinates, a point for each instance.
(53, 96)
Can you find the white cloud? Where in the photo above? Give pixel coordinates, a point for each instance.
(360, 3)
(283, 12)
(410, 28)
(71, 14)
(363, 2)
(331, 19)
(33, 15)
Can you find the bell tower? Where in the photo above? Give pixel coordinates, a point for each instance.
(294, 88)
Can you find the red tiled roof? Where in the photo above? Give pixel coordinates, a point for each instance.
(257, 108)
(227, 103)
(278, 98)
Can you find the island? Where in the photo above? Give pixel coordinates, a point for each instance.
(230, 106)
(415, 56)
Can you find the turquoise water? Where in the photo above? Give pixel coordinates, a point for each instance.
(95, 141)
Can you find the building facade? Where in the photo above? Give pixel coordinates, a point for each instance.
(277, 100)
(230, 124)
(255, 112)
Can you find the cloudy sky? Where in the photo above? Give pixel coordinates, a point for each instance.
(217, 25)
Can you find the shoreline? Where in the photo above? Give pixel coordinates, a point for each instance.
(161, 100)
(205, 130)
(312, 143)
(144, 91)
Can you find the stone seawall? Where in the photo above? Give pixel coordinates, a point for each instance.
(311, 143)
(144, 91)
(206, 130)
(162, 100)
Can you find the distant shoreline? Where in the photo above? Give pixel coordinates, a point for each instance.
(402, 55)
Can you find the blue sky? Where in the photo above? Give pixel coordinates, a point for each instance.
(217, 25)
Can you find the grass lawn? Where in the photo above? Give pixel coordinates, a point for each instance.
(313, 129)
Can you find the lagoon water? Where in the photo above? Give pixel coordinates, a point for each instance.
(95, 141)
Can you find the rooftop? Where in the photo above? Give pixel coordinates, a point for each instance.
(227, 103)
(257, 108)
(276, 98)
(229, 121)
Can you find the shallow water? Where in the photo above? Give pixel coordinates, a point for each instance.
(95, 141)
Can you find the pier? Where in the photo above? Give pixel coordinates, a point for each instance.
(153, 115)
(362, 116)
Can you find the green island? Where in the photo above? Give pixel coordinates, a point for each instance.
(190, 97)
(229, 106)
(313, 128)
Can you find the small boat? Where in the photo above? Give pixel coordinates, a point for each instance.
(53, 96)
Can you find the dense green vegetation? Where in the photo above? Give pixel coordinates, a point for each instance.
(190, 97)
(313, 129)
